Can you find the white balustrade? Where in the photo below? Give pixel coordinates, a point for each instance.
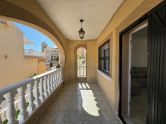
(18, 101)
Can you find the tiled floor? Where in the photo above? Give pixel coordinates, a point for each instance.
(80, 103)
(138, 107)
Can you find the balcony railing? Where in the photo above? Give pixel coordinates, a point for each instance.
(20, 100)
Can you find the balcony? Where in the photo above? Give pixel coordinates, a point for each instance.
(40, 100)
(100, 91)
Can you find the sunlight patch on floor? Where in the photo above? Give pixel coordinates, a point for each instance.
(89, 103)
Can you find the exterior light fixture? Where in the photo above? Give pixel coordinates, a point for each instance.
(81, 31)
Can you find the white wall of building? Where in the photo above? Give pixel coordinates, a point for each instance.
(139, 48)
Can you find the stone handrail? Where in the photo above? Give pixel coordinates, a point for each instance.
(18, 101)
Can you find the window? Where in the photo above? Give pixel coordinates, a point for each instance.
(52, 58)
(104, 57)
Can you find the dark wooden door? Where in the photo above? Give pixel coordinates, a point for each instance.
(156, 113)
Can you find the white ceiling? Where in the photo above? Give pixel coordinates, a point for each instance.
(67, 13)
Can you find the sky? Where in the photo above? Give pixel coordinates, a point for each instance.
(35, 36)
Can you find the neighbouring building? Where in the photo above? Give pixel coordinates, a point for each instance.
(51, 55)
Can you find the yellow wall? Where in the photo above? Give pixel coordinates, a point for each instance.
(91, 59)
(30, 66)
(128, 12)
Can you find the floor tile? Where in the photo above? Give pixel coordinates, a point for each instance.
(80, 103)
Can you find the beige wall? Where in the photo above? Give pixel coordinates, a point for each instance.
(128, 12)
(30, 66)
(91, 59)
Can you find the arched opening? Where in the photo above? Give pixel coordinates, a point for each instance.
(81, 70)
(51, 36)
(19, 64)
(14, 52)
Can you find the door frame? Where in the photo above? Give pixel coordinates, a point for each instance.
(134, 30)
(75, 59)
(133, 25)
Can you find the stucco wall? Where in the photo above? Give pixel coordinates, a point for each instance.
(128, 12)
(91, 59)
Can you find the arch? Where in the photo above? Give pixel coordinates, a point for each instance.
(11, 12)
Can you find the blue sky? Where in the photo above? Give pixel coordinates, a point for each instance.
(34, 36)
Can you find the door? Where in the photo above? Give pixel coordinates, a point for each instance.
(156, 70)
(81, 63)
(157, 66)
(132, 32)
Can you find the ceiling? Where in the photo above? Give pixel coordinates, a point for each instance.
(67, 13)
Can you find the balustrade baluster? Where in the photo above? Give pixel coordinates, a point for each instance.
(9, 97)
(45, 86)
(60, 77)
(51, 82)
(56, 79)
(41, 89)
(1, 100)
(22, 105)
(48, 84)
(36, 94)
(53, 77)
(30, 99)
